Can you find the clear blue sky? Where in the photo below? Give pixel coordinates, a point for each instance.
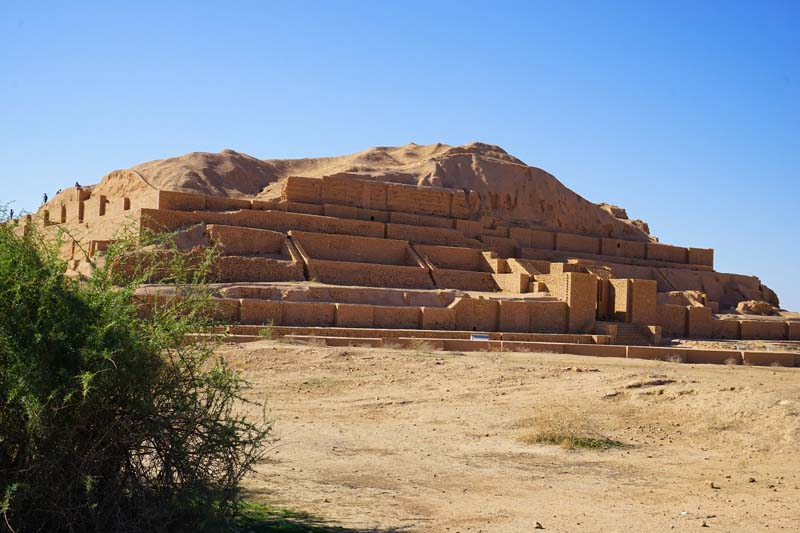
(685, 113)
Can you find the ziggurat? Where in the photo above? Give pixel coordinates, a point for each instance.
(434, 244)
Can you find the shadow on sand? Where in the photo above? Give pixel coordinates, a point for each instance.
(260, 518)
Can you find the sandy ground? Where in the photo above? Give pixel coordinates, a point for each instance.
(401, 440)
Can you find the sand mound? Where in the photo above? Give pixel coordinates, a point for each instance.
(509, 189)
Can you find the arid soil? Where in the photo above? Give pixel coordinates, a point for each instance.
(412, 440)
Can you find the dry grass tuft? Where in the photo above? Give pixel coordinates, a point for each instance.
(565, 426)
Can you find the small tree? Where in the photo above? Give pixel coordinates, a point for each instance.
(109, 419)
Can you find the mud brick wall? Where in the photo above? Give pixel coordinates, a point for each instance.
(515, 316)
(298, 207)
(368, 274)
(643, 301)
(422, 235)
(298, 189)
(261, 312)
(453, 258)
(469, 228)
(515, 282)
(701, 256)
(763, 330)
(181, 201)
(345, 211)
(166, 220)
(770, 358)
(464, 280)
(619, 299)
(93, 209)
(355, 315)
(343, 190)
(438, 318)
(238, 268)
(528, 238)
(346, 248)
(217, 203)
(247, 241)
(672, 319)
(473, 314)
(549, 317)
(421, 200)
(397, 317)
(725, 329)
(699, 324)
(224, 310)
(665, 252)
(503, 246)
(466, 204)
(621, 248)
(309, 314)
(413, 219)
(566, 242)
(311, 223)
(581, 295)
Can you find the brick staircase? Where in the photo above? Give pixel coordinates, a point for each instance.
(633, 335)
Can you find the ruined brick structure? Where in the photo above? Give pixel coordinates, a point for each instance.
(372, 258)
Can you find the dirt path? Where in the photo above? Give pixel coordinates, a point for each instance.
(383, 440)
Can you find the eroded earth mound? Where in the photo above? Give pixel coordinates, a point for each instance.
(508, 188)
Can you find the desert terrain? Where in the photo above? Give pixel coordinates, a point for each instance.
(415, 440)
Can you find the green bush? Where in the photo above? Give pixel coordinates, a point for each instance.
(109, 419)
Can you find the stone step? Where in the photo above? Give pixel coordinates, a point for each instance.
(665, 354)
(282, 331)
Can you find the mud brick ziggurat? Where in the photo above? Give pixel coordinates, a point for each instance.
(422, 243)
